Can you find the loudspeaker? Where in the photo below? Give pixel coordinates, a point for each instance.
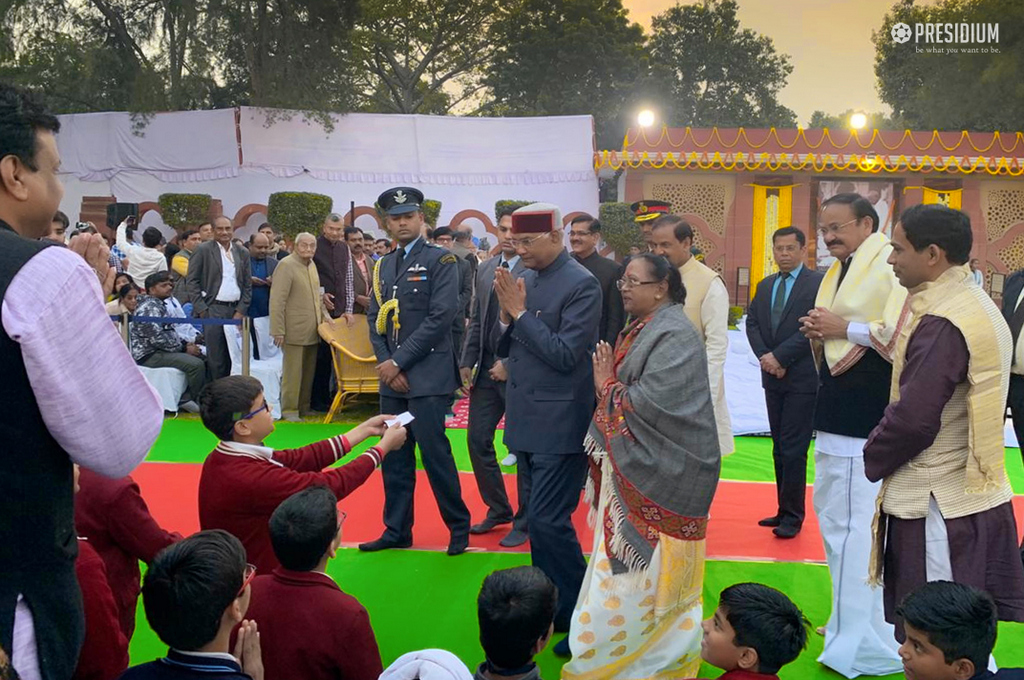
(118, 212)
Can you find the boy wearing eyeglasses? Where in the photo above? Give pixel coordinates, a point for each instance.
(243, 481)
(290, 604)
(195, 592)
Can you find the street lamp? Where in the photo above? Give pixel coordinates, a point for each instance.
(858, 121)
(645, 118)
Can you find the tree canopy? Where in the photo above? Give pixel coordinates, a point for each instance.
(968, 89)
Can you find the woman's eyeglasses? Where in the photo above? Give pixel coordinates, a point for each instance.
(626, 284)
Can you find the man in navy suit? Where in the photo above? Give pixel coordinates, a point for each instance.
(548, 329)
(414, 299)
(487, 400)
(1013, 311)
(788, 375)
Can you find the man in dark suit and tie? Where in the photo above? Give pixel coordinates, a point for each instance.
(788, 375)
(548, 330)
(584, 238)
(219, 283)
(487, 385)
(1013, 311)
(410, 318)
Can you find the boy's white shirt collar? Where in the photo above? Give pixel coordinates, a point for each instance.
(250, 450)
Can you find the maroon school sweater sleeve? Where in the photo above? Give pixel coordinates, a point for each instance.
(104, 653)
(314, 457)
(133, 528)
(275, 484)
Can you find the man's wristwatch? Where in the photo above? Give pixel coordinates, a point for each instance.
(395, 364)
(520, 314)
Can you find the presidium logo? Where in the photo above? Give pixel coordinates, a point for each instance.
(975, 38)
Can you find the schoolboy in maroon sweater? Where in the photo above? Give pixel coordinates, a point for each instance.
(309, 627)
(243, 481)
(755, 631)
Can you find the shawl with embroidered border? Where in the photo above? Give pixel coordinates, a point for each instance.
(653, 440)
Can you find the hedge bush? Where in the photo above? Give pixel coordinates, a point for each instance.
(509, 203)
(180, 211)
(431, 211)
(293, 212)
(618, 228)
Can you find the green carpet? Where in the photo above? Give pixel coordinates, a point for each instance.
(185, 440)
(420, 600)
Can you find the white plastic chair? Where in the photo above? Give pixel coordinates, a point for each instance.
(169, 383)
(267, 371)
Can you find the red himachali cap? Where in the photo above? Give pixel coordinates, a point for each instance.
(536, 218)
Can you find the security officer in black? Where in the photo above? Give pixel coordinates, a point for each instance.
(412, 305)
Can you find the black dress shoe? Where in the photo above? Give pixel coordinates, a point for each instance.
(770, 522)
(514, 538)
(786, 531)
(384, 544)
(562, 648)
(487, 525)
(458, 545)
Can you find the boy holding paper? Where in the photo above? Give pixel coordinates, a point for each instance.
(243, 481)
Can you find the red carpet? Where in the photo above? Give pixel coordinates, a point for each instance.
(170, 489)
(460, 419)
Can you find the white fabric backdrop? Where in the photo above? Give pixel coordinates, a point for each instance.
(466, 163)
(175, 147)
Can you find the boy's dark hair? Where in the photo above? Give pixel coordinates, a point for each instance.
(62, 218)
(681, 229)
(225, 400)
(303, 526)
(959, 620)
(861, 207)
(787, 231)
(151, 237)
(515, 608)
(768, 621)
(157, 277)
(189, 585)
(938, 225)
(21, 117)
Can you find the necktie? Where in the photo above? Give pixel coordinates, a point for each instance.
(845, 268)
(1016, 324)
(504, 265)
(400, 254)
(779, 304)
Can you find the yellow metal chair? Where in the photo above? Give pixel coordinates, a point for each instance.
(353, 358)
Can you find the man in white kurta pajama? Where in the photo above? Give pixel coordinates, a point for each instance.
(853, 329)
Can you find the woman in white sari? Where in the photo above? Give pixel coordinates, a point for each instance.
(655, 463)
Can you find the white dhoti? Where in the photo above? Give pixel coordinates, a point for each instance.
(858, 640)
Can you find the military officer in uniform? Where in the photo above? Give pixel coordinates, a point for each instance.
(413, 302)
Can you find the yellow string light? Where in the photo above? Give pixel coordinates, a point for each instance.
(826, 134)
(868, 164)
